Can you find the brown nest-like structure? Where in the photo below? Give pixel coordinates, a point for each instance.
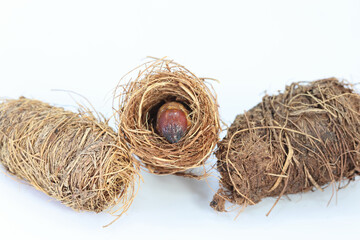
(303, 139)
(159, 82)
(71, 157)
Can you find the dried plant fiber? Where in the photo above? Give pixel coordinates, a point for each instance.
(71, 157)
(156, 83)
(306, 138)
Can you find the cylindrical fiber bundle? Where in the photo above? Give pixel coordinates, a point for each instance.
(71, 157)
(160, 82)
(302, 139)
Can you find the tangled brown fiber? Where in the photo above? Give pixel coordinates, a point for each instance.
(157, 82)
(303, 139)
(71, 157)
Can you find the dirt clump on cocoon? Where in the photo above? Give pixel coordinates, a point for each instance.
(302, 139)
(72, 157)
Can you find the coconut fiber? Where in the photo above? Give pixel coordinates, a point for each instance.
(302, 139)
(71, 157)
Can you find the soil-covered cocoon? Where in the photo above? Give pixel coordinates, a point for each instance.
(71, 157)
(299, 140)
(157, 83)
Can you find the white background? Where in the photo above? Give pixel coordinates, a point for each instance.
(251, 47)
